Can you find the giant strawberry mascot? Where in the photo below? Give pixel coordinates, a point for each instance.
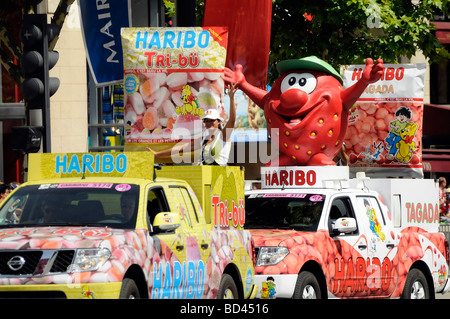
(308, 106)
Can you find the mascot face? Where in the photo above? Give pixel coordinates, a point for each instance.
(306, 108)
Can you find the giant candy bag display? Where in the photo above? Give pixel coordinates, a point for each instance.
(384, 136)
(172, 76)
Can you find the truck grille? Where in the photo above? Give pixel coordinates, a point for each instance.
(28, 263)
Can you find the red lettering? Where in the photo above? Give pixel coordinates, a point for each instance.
(182, 60)
(267, 180)
(389, 74)
(223, 217)
(374, 278)
(274, 180)
(284, 177)
(360, 274)
(339, 275)
(356, 75)
(311, 178)
(241, 212)
(223, 212)
(399, 73)
(168, 64)
(299, 177)
(349, 277)
(386, 274)
(160, 61)
(215, 201)
(236, 212)
(150, 55)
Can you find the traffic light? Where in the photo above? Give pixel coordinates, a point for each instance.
(27, 139)
(37, 60)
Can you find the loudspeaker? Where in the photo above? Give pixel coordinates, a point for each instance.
(27, 139)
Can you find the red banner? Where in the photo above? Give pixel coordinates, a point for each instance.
(248, 25)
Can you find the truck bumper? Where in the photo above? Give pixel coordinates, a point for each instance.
(284, 286)
(71, 291)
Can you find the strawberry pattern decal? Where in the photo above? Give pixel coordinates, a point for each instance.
(307, 107)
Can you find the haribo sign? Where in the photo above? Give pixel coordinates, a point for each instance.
(385, 124)
(172, 76)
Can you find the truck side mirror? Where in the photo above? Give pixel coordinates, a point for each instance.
(344, 225)
(166, 222)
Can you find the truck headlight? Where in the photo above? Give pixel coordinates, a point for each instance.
(271, 255)
(89, 259)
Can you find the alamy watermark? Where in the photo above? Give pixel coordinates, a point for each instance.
(259, 152)
(374, 16)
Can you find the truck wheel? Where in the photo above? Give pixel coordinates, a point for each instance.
(416, 286)
(227, 288)
(307, 286)
(129, 289)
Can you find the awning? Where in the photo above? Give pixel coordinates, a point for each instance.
(442, 31)
(436, 160)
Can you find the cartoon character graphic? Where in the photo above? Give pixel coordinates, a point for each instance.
(86, 293)
(373, 155)
(406, 145)
(402, 117)
(190, 103)
(264, 291)
(268, 290)
(375, 226)
(308, 106)
(442, 273)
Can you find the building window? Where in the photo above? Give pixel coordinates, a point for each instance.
(439, 82)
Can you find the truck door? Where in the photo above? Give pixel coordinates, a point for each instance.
(186, 278)
(199, 238)
(381, 279)
(168, 272)
(350, 251)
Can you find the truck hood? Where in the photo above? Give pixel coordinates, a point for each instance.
(61, 237)
(282, 237)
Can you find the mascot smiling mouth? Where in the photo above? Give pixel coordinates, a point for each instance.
(291, 121)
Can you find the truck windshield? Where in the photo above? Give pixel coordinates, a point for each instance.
(285, 211)
(75, 204)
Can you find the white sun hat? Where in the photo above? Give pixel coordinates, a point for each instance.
(212, 114)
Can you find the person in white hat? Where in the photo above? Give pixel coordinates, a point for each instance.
(216, 143)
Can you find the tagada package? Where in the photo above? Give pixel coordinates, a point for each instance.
(384, 136)
(172, 76)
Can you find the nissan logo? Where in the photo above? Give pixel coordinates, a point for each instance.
(16, 263)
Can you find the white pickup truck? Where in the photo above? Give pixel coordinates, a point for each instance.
(319, 234)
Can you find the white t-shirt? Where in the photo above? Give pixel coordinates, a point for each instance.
(216, 152)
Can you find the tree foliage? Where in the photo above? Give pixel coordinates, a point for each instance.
(348, 31)
(338, 31)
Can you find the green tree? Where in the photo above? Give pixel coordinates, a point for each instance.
(348, 31)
